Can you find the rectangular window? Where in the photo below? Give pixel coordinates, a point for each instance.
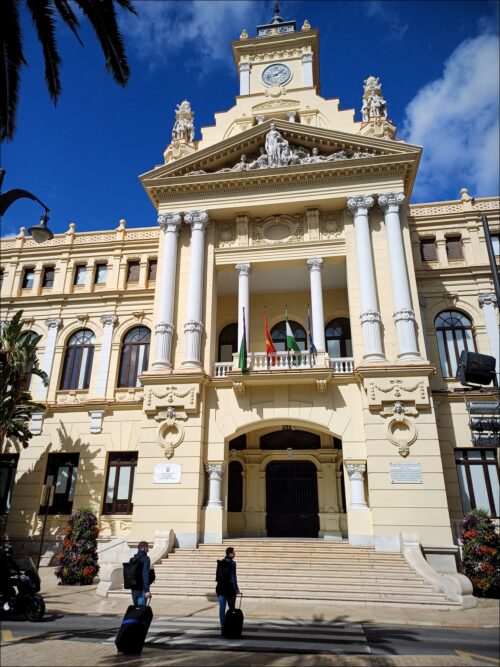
(28, 278)
(48, 276)
(101, 274)
(80, 274)
(8, 466)
(454, 247)
(120, 483)
(478, 479)
(152, 266)
(133, 269)
(495, 240)
(428, 250)
(61, 473)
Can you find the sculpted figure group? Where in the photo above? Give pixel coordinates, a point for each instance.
(184, 126)
(374, 105)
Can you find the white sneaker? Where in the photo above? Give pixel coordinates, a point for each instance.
(6, 606)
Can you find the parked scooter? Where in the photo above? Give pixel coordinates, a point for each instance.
(25, 600)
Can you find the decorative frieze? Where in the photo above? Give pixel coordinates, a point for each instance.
(181, 396)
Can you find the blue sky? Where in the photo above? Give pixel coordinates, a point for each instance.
(437, 61)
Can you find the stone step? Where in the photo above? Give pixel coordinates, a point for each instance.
(165, 577)
(269, 570)
(290, 562)
(312, 587)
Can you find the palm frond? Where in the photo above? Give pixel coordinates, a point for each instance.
(42, 15)
(11, 61)
(68, 16)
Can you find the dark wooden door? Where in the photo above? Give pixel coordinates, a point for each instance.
(292, 499)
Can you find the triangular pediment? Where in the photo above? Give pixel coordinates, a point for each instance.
(300, 148)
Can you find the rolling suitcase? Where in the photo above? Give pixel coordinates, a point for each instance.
(133, 630)
(233, 622)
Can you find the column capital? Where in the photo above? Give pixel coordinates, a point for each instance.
(487, 300)
(109, 320)
(215, 469)
(198, 220)
(307, 57)
(391, 199)
(356, 470)
(53, 323)
(170, 222)
(314, 264)
(243, 269)
(244, 67)
(359, 203)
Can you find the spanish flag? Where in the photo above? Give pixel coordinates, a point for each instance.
(270, 349)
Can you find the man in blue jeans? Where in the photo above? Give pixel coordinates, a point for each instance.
(139, 596)
(227, 585)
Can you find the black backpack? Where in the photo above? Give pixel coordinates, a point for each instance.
(223, 572)
(132, 574)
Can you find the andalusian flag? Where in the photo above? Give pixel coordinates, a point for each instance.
(291, 343)
(242, 360)
(270, 349)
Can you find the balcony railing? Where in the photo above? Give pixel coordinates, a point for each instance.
(281, 361)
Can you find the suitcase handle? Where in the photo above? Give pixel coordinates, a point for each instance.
(241, 598)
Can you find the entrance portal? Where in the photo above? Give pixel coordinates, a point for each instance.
(292, 499)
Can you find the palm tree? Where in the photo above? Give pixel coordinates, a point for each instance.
(18, 361)
(44, 13)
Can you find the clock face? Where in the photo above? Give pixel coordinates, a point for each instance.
(278, 74)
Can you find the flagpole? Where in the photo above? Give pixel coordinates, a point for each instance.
(286, 337)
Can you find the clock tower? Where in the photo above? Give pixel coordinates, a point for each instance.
(278, 59)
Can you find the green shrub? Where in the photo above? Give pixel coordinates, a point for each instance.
(481, 553)
(78, 560)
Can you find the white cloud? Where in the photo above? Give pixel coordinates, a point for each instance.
(455, 118)
(200, 30)
(386, 13)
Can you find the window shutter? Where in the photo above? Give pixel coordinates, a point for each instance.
(454, 247)
(152, 266)
(428, 250)
(133, 269)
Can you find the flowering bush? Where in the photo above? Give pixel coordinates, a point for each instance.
(481, 553)
(78, 560)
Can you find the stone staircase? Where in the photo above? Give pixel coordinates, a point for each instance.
(298, 569)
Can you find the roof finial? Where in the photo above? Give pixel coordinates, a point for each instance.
(276, 8)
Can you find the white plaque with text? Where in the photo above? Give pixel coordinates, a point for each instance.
(167, 473)
(406, 473)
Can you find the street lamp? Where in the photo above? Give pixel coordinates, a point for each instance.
(40, 232)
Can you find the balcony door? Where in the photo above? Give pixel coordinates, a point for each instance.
(291, 499)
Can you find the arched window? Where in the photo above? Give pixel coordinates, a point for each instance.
(278, 334)
(27, 336)
(235, 487)
(338, 338)
(453, 334)
(78, 360)
(228, 342)
(134, 357)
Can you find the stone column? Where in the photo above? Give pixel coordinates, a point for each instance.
(164, 328)
(243, 271)
(307, 69)
(488, 303)
(108, 322)
(318, 319)
(215, 472)
(52, 325)
(244, 78)
(370, 316)
(356, 472)
(404, 316)
(193, 327)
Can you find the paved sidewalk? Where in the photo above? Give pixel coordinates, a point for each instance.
(83, 600)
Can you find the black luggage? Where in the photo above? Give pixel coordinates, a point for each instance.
(233, 623)
(133, 630)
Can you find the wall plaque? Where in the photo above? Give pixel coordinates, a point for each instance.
(167, 473)
(405, 473)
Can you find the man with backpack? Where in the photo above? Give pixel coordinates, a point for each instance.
(227, 584)
(137, 575)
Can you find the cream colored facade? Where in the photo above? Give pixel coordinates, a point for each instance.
(387, 405)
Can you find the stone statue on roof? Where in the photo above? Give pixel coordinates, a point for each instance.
(183, 129)
(374, 104)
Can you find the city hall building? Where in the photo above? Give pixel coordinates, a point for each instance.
(287, 227)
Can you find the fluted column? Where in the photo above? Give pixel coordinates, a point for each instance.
(488, 303)
(193, 327)
(243, 271)
(307, 69)
(215, 472)
(52, 325)
(356, 472)
(244, 78)
(108, 322)
(404, 316)
(318, 319)
(370, 316)
(164, 327)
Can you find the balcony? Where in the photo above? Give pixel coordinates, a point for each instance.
(258, 362)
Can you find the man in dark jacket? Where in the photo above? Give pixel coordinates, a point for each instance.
(227, 584)
(139, 596)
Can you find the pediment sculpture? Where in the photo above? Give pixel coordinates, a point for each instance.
(278, 152)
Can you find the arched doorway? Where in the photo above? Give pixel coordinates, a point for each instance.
(292, 499)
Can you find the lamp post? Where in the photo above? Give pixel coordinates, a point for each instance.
(40, 232)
